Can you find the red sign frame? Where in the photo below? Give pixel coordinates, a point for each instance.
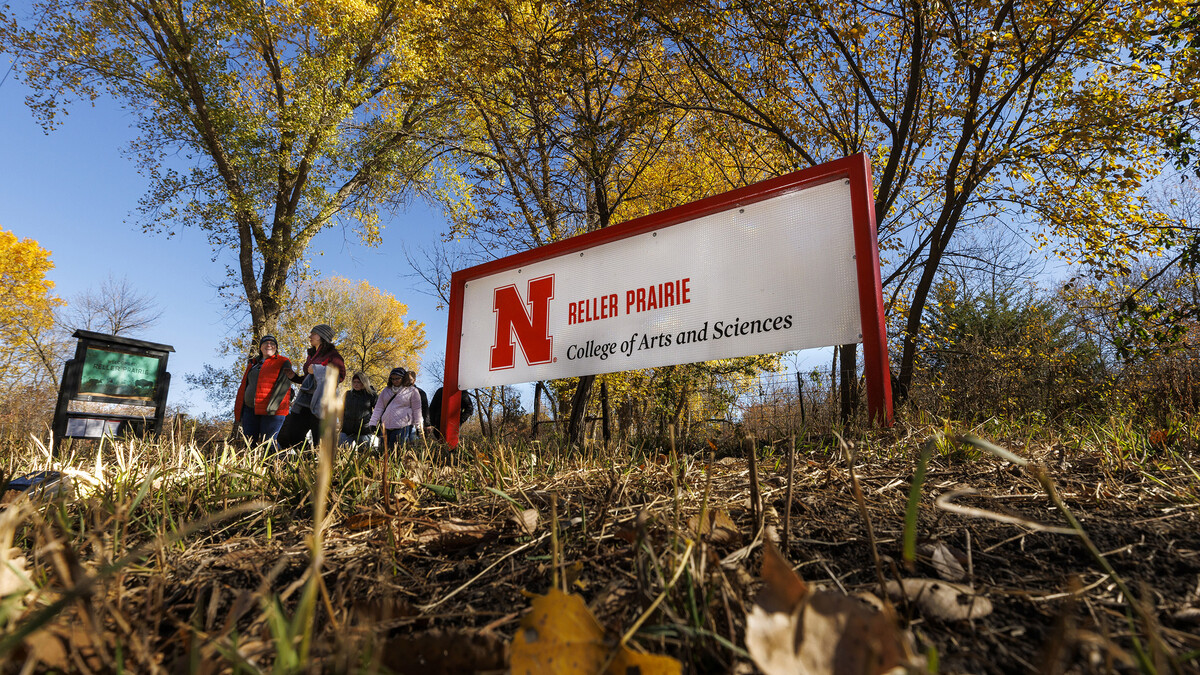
(856, 169)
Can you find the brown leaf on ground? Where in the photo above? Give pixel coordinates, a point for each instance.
(632, 529)
(792, 630)
(48, 651)
(445, 651)
(718, 528)
(14, 574)
(64, 649)
(455, 534)
(560, 635)
(944, 560)
(526, 522)
(367, 520)
(942, 599)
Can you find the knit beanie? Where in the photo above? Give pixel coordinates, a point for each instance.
(324, 331)
(397, 371)
(268, 338)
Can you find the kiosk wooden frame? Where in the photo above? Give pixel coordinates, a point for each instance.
(152, 397)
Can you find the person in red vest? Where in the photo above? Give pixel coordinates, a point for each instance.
(264, 394)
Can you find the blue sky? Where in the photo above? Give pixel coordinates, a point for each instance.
(76, 193)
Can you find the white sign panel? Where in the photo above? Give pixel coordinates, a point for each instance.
(769, 276)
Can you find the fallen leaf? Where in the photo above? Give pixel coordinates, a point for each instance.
(369, 520)
(793, 630)
(631, 530)
(944, 562)
(571, 575)
(455, 534)
(65, 648)
(526, 521)
(48, 650)
(718, 528)
(14, 576)
(560, 635)
(942, 599)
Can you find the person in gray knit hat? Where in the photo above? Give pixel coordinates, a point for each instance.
(302, 420)
(323, 331)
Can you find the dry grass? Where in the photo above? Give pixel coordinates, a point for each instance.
(173, 558)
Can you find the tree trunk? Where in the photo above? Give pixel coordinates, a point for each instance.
(849, 381)
(833, 379)
(604, 411)
(679, 408)
(486, 410)
(583, 392)
(916, 310)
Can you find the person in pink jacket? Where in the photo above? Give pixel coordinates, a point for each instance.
(398, 409)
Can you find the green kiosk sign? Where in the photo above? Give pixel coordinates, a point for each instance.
(119, 374)
(130, 375)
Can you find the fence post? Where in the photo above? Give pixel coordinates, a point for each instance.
(800, 393)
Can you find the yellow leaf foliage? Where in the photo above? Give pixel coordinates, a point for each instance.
(372, 334)
(560, 635)
(26, 304)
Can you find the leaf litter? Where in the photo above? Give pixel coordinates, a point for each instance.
(451, 585)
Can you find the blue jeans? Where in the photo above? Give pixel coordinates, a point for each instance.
(401, 436)
(355, 440)
(260, 428)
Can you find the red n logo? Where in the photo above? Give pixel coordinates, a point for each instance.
(530, 328)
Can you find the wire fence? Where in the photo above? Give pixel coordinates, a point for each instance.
(785, 403)
(772, 405)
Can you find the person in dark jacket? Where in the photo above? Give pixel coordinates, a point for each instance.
(356, 413)
(424, 406)
(265, 393)
(465, 410)
(302, 420)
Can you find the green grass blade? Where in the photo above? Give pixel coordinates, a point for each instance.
(914, 503)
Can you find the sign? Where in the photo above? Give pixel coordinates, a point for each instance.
(728, 284)
(109, 369)
(786, 264)
(118, 374)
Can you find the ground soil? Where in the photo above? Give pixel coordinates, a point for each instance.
(419, 582)
(437, 579)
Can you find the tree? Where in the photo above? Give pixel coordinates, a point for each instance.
(26, 304)
(1017, 109)
(32, 354)
(561, 132)
(556, 129)
(260, 123)
(114, 307)
(1006, 350)
(372, 334)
